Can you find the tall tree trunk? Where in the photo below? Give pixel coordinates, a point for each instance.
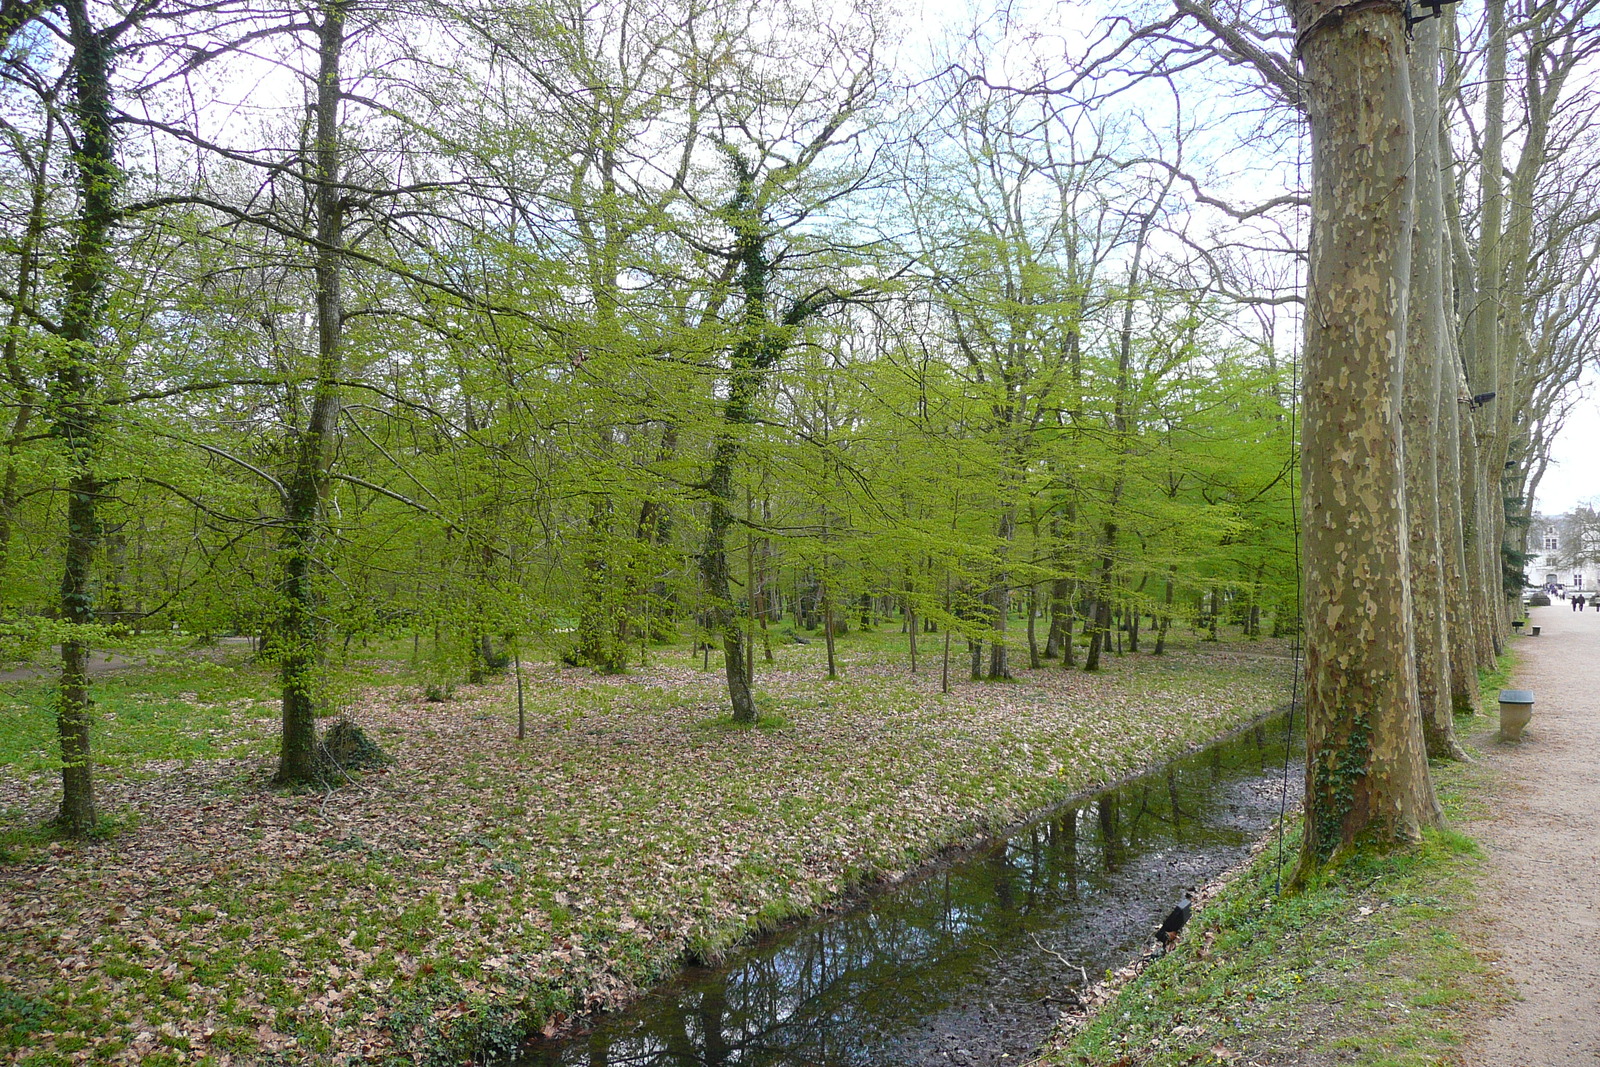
(1059, 617)
(998, 599)
(1097, 633)
(829, 634)
(602, 594)
(1121, 424)
(1477, 600)
(760, 344)
(1490, 374)
(714, 559)
(1069, 650)
(1456, 476)
(752, 591)
(77, 418)
(1462, 631)
(747, 371)
(653, 598)
(1427, 346)
(1034, 661)
(1366, 771)
(911, 617)
(300, 634)
(1166, 616)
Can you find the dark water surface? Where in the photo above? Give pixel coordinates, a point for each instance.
(973, 960)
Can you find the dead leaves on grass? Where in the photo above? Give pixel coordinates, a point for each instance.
(234, 922)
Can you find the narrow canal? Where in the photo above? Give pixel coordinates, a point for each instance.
(972, 961)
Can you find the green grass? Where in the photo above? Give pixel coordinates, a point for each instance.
(169, 709)
(1364, 961)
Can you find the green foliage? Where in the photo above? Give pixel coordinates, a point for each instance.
(20, 1016)
(438, 1023)
(1341, 770)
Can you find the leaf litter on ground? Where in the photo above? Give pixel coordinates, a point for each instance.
(482, 880)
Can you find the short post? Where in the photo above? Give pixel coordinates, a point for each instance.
(1516, 708)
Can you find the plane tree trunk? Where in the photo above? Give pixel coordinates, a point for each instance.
(1366, 773)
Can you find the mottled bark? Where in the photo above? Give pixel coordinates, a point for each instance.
(1464, 623)
(1466, 626)
(1426, 349)
(1488, 372)
(1366, 772)
(1474, 598)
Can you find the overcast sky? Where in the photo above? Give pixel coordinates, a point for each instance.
(1574, 474)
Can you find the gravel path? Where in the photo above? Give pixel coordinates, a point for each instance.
(1539, 904)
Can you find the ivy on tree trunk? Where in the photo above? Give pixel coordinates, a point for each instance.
(300, 632)
(76, 400)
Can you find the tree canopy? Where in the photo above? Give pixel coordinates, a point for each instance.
(536, 325)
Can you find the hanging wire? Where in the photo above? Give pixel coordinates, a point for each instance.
(1298, 316)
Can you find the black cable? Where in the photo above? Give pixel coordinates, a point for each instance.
(1294, 504)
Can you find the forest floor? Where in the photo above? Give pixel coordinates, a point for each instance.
(433, 908)
(1476, 949)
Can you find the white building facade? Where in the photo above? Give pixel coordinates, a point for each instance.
(1553, 564)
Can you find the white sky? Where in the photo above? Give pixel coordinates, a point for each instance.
(1574, 474)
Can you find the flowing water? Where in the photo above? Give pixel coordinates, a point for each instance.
(971, 961)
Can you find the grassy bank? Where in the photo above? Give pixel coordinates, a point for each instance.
(482, 886)
(1373, 965)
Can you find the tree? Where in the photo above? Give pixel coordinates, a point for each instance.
(1428, 350)
(76, 392)
(772, 140)
(1367, 777)
(80, 364)
(299, 632)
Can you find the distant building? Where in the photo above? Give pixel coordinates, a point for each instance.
(1564, 551)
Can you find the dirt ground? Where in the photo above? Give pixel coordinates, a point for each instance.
(1539, 908)
(99, 663)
